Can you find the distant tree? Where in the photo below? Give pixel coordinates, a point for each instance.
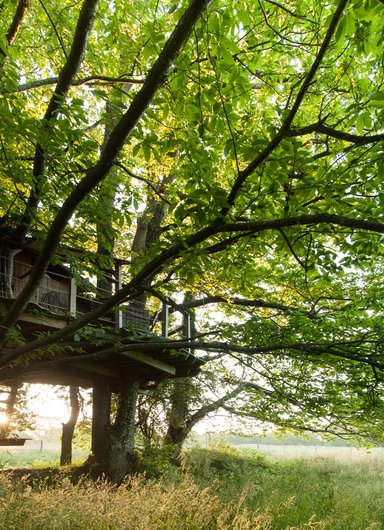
(17, 414)
(69, 426)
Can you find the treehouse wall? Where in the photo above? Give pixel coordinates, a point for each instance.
(53, 292)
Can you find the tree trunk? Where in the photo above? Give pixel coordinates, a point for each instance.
(101, 424)
(184, 390)
(120, 459)
(178, 416)
(69, 427)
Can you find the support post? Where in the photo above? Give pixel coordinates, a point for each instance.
(188, 325)
(118, 285)
(187, 328)
(101, 421)
(165, 321)
(72, 297)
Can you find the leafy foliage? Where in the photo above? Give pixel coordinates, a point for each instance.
(245, 145)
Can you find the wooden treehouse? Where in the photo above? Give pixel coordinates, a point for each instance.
(60, 298)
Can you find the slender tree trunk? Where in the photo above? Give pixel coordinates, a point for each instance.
(69, 427)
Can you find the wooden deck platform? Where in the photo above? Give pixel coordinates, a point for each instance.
(8, 442)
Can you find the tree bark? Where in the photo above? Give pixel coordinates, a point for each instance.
(120, 458)
(69, 427)
(101, 424)
(178, 416)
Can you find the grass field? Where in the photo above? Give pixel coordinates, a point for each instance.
(33, 456)
(218, 488)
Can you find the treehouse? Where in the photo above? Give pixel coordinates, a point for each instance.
(62, 297)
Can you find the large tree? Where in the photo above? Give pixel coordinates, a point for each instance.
(242, 164)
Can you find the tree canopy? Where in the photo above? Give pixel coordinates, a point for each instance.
(233, 154)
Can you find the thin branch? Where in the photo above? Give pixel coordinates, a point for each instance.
(234, 301)
(292, 13)
(290, 246)
(320, 128)
(282, 37)
(91, 80)
(54, 28)
(280, 135)
(142, 179)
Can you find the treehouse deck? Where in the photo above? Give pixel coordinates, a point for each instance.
(60, 299)
(8, 442)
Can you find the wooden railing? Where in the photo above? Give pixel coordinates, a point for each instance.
(61, 295)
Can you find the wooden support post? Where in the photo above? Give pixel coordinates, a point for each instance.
(187, 328)
(72, 297)
(165, 320)
(101, 420)
(118, 285)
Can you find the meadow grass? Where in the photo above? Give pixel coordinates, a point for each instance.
(339, 495)
(33, 457)
(217, 489)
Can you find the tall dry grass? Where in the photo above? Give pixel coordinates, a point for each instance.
(136, 505)
(218, 489)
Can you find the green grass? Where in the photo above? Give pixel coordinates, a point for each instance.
(32, 457)
(342, 495)
(219, 489)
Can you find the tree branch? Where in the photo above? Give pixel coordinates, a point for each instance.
(215, 299)
(71, 66)
(312, 349)
(142, 179)
(155, 78)
(14, 28)
(213, 406)
(244, 174)
(137, 284)
(320, 128)
(91, 80)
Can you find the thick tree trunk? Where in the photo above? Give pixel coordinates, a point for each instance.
(69, 427)
(120, 459)
(113, 447)
(178, 416)
(184, 390)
